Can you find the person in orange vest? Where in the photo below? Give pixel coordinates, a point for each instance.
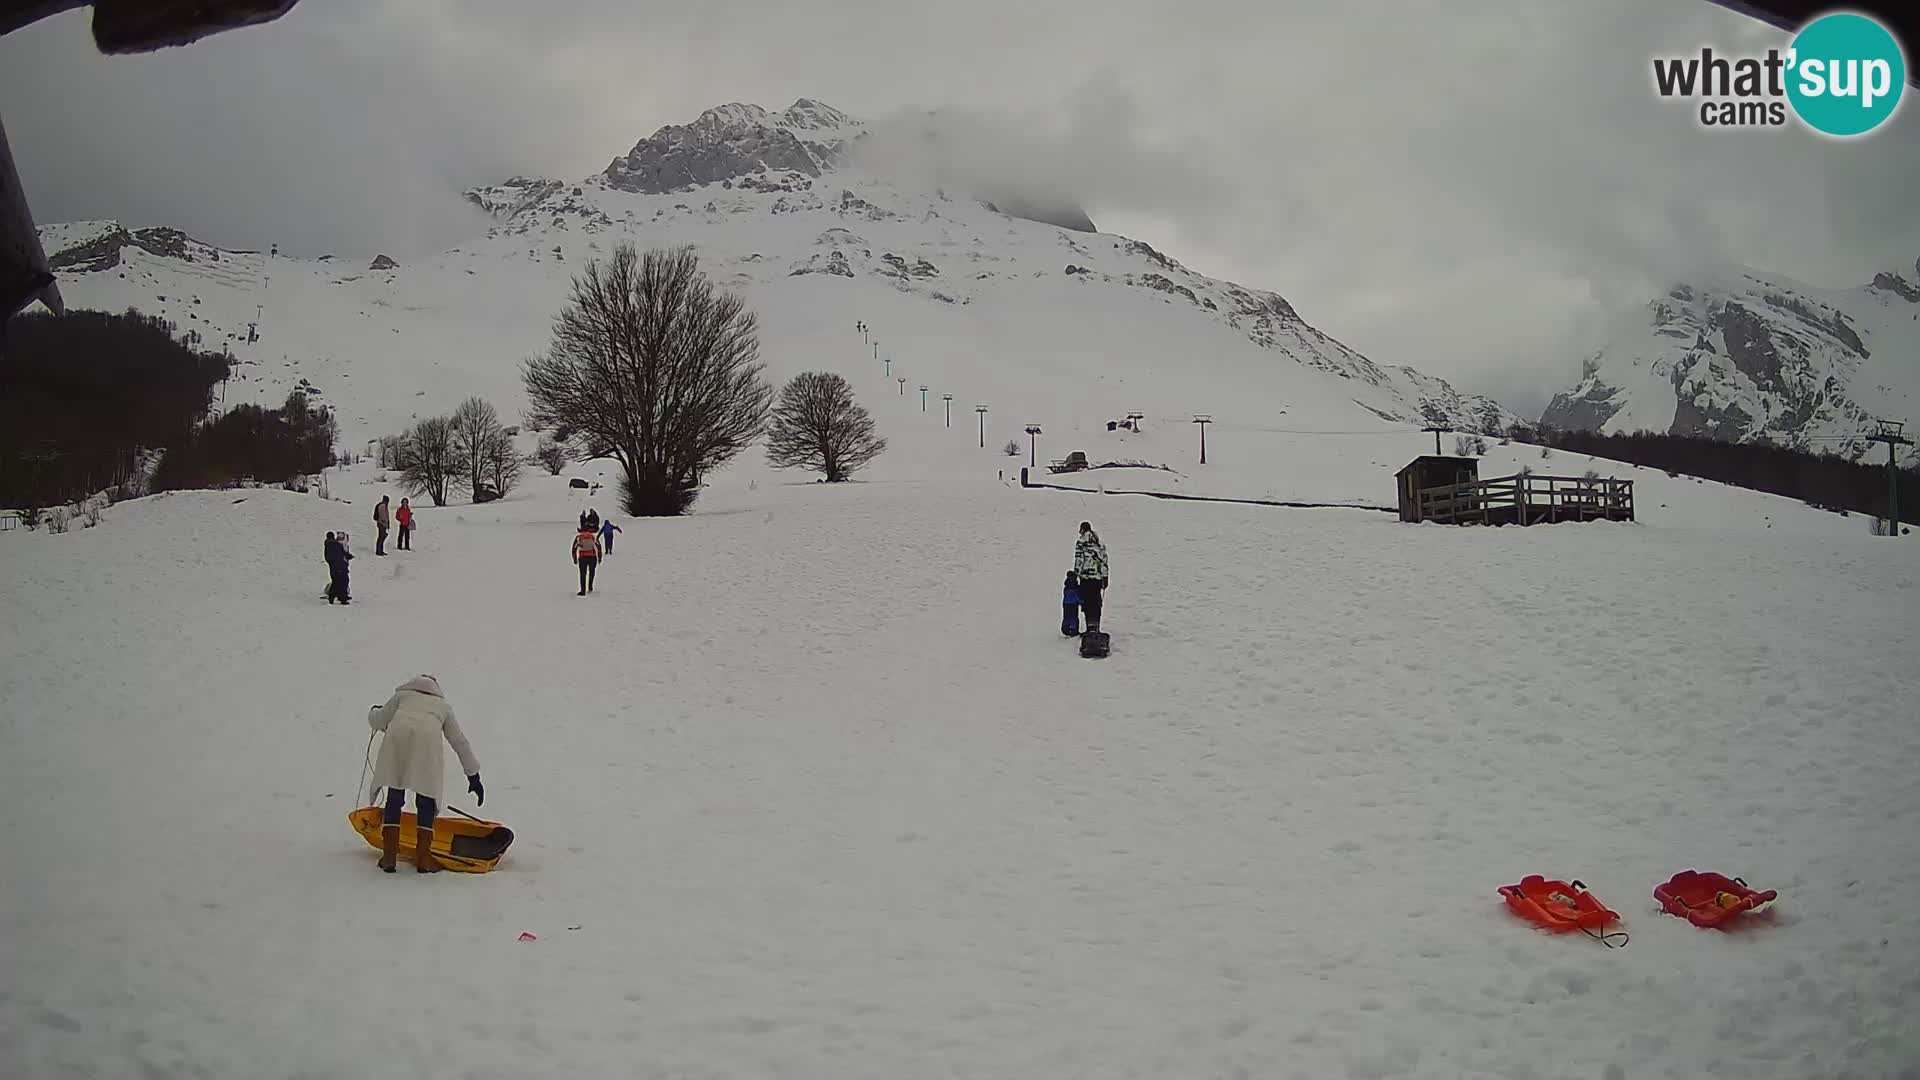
(586, 555)
(403, 517)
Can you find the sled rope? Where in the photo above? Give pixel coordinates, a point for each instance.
(366, 762)
(1606, 938)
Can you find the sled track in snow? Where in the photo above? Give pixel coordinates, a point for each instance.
(1215, 499)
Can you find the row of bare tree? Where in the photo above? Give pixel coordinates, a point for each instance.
(652, 366)
(469, 450)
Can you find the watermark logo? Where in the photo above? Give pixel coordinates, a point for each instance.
(1842, 75)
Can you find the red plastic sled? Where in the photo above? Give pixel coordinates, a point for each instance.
(1708, 899)
(1559, 906)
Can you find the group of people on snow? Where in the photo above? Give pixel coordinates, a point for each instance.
(402, 517)
(592, 543)
(338, 555)
(419, 723)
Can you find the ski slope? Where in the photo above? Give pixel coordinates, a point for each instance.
(812, 786)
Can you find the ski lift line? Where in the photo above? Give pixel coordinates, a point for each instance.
(1289, 431)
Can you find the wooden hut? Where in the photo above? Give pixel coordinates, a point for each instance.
(1449, 491)
(1431, 471)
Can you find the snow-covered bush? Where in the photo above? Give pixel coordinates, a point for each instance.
(58, 517)
(1012, 449)
(90, 511)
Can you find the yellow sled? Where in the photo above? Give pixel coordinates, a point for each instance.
(462, 844)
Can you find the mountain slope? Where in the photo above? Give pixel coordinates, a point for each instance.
(1047, 323)
(1759, 356)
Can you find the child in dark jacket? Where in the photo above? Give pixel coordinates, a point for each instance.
(1070, 606)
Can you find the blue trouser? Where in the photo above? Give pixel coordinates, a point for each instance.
(425, 807)
(1070, 619)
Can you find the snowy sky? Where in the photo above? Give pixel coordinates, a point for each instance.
(1468, 188)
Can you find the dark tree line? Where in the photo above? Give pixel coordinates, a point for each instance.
(1822, 480)
(82, 395)
(269, 445)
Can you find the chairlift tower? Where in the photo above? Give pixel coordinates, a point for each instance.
(982, 410)
(1033, 446)
(1891, 432)
(1203, 419)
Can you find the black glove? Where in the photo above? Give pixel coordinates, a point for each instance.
(479, 793)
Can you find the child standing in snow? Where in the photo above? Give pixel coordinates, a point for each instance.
(607, 529)
(1070, 606)
(586, 555)
(337, 557)
(403, 517)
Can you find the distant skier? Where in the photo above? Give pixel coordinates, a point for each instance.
(1070, 606)
(380, 519)
(403, 517)
(415, 719)
(1090, 565)
(607, 529)
(337, 557)
(586, 555)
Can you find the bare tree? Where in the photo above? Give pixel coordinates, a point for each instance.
(654, 367)
(428, 463)
(503, 463)
(552, 454)
(817, 425)
(392, 448)
(475, 428)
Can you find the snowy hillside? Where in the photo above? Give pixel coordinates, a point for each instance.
(1045, 324)
(1756, 356)
(812, 786)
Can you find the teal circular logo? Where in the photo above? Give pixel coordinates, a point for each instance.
(1846, 74)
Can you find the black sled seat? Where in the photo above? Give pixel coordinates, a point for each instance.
(1093, 644)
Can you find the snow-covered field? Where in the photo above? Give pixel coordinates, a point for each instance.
(812, 786)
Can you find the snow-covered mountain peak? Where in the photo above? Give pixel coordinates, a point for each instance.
(1903, 285)
(729, 142)
(1743, 355)
(806, 114)
(778, 208)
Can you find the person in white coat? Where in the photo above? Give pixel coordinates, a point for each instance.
(417, 721)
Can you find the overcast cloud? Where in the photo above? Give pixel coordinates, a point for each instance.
(1470, 188)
